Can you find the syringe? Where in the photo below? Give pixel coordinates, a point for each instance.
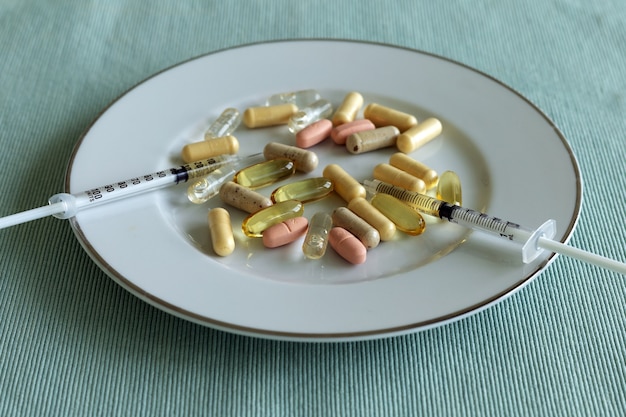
(534, 242)
(64, 205)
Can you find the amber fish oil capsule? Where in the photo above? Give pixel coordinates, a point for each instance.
(366, 233)
(405, 218)
(304, 160)
(385, 116)
(316, 239)
(209, 148)
(255, 224)
(371, 140)
(306, 190)
(419, 135)
(415, 168)
(362, 208)
(264, 116)
(243, 198)
(265, 173)
(221, 231)
(449, 188)
(348, 109)
(345, 185)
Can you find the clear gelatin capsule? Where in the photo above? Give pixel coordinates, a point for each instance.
(224, 125)
(449, 188)
(204, 189)
(301, 98)
(265, 173)
(306, 190)
(320, 109)
(316, 239)
(405, 218)
(255, 224)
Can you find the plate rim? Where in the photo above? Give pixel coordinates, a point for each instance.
(330, 336)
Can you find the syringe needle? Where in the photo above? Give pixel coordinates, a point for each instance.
(64, 206)
(534, 241)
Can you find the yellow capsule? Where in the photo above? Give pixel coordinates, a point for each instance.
(415, 168)
(305, 191)
(305, 160)
(392, 175)
(209, 148)
(404, 217)
(386, 116)
(255, 224)
(362, 208)
(419, 135)
(265, 173)
(346, 186)
(348, 109)
(221, 231)
(268, 115)
(449, 188)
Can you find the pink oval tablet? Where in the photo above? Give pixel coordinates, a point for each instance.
(314, 133)
(340, 134)
(286, 232)
(347, 245)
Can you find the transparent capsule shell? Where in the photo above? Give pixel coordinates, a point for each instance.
(265, 173)
(405, 218)
(255, 224)
(305, 191)
(320, 109)
(300, 98)
(224, 125)
(316, 239)
(204, 189)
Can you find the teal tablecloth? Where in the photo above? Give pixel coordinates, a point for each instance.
(72, 342)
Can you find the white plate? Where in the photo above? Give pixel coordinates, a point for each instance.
(513, 162)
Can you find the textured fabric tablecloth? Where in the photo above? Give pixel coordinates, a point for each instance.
(73, 342)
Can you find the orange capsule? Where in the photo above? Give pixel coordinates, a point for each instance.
(347, 245)
(284, 233)
(314, 133)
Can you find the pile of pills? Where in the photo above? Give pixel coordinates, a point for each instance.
(351, 230)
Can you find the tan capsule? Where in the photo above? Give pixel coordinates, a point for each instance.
(419, 135)
(243, 198)
(348, 109)
(221, 231)
(304, 160)
(371, 140)
(268, 115)
(385, 116)
(209, 148)
(346, 186)
(415, 168)
(392, 175)
(362, 208)
(365, 232)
